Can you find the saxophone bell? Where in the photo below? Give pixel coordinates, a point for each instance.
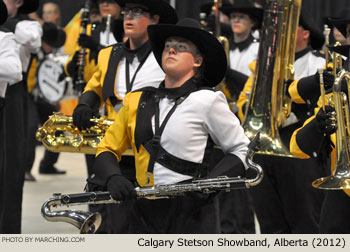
(86, 222)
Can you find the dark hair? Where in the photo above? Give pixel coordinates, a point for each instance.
(199, 72)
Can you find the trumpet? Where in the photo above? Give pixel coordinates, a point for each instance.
(88, 222)
(340, 178)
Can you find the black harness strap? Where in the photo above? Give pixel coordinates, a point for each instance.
(180, 165)
(153, 145)
(108, 83)
(127, 71)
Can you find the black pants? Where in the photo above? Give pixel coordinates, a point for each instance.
(180, 215)
(13, 134)
(38, 112)
(235, 207)
(114, 216)
(285, 201)
(335, 213)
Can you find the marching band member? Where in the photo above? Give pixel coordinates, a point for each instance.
(236, 207)
(28, 36)
(10, 73)
(40, 109)
(124, 67)
(285, 201)
(194, 61)
(316, 140)
(96, 39)
(307, 90)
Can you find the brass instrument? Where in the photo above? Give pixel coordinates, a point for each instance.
(225, 43)
(269, 105)
(79, 81)
(59, 134)
(340, 178)
(89, 222)
(108, 28)
(323, 92)
(326, 33)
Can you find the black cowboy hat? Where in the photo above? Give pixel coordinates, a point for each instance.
(316, 34)
(246, 7)
(166, 13)
(53, 35)
(29, 6)
(3, 12)
(343, 18)
(95, 2)
(214, 57)
(343, 50)
(208, 7)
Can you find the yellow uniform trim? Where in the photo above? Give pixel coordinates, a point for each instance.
(90, 65)
(120, 136)
(31, 78)
(296, 151)
(242, 99)
(294, 94)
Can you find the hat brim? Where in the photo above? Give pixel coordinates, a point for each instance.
(340, 24)
(343, 50)
(3, 12)
(29, 6)
(215, 62)
(166, 13)
(256, 13)
(316, 35)
(58, 41)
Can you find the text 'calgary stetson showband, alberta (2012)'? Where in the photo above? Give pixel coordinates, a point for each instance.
(226, 242)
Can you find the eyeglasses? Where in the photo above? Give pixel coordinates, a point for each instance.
(136, 12)
(178, 47)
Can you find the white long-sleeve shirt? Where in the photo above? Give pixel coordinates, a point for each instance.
(189, 127)
(28, 35)
(10, 64)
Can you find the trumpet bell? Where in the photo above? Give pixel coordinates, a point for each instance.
(339, 181)
(332, 183)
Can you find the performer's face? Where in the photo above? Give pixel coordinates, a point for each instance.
(136, 20)
(180, 57)
(51, 13)
(241, 23)
(109, 7)
(12, 6)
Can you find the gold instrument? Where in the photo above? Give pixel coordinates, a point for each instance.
(89, 222)
(269, 105)
(326, 33)
(225, 43)
(340, 178)
(59, 134)
(108, 28)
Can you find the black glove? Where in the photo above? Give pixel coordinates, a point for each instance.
(82, 115)
(121, 188)
(328, 78)
(62, 76)
(72, 67)
(324, 121)
(88, 42)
